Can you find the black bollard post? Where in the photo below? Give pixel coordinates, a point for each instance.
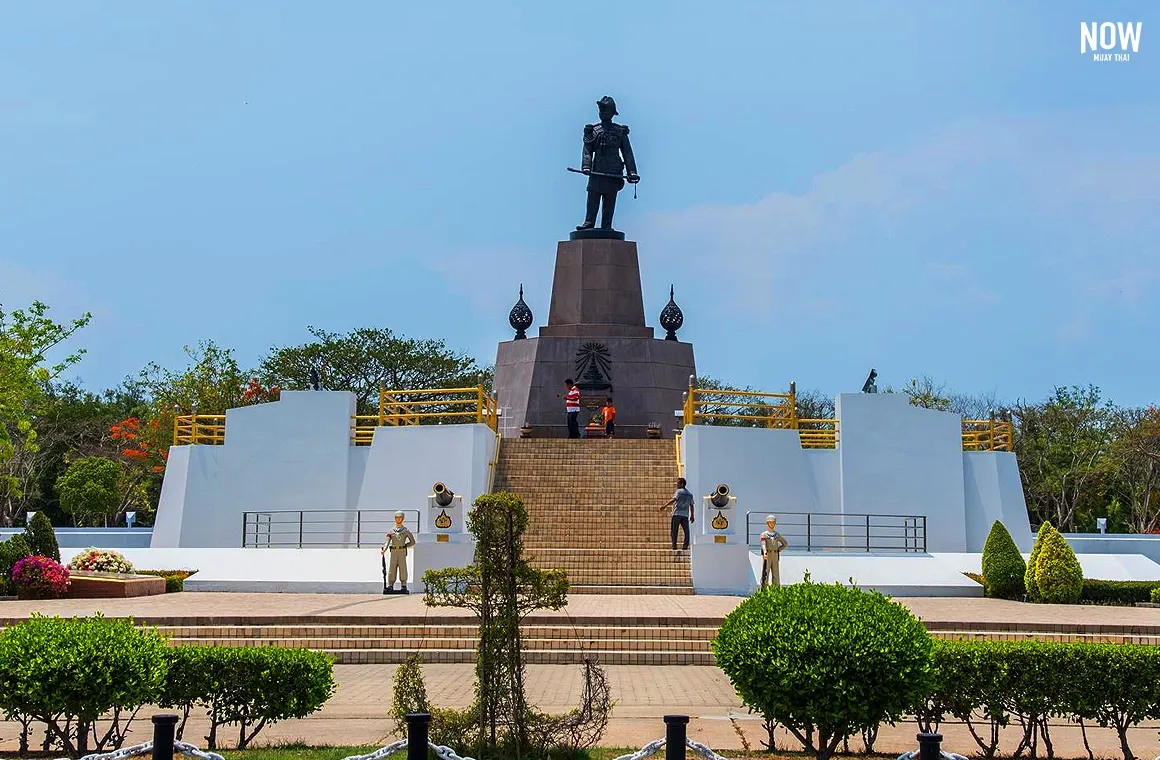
(417, 725)
(164, 729)
(675, 727)
(929, 746)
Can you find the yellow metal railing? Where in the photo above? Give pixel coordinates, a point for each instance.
(818, 433)
(199, 429)
(680, 462)
(419, 407)
(722, 407)
(988, 435)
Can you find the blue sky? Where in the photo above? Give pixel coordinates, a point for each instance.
(943, 189)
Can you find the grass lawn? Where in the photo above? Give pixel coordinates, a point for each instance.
(295, 752)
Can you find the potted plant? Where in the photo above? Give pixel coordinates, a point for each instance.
(654, 430)
(38, 577)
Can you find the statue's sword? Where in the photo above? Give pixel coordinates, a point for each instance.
(605, 174)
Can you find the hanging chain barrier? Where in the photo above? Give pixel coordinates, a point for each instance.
(704, 750)
(446, 753)
(381, 752)
(146, 748)
(646, 751)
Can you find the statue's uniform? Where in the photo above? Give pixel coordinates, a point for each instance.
(772, 543)
(607, 151)
(398, 541)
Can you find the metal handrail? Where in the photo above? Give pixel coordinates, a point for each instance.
(321, 528)
(199, 429)
(680, 462)
(843, 532)
(988, 435)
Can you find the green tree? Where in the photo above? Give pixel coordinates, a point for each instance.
(90, 490)
(42, 538)
(368, 359)
(1063, 447)
(1135, 456)
(1003, 565)
(27, 337)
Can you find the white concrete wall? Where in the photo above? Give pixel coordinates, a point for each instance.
(404, 462)
(1096, 543)
(993, 492)
(100, 538)
(296, 454)
(897, 459)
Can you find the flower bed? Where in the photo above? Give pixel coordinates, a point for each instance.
(101, 561)
(38, 577)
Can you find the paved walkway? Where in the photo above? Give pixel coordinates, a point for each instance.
(994, 614)
(643, 694)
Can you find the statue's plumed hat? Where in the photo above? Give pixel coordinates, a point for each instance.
(607, 102)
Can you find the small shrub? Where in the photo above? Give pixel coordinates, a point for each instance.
(68, 674)
(1156, 596)
(1029, 576)
(825, 661)
(1117, 592)
(248, 687)
(42, 538)
(1058, 575)
(1003, 565)
(12, 551)
(101, 561)
(174, 579)
(40, 577)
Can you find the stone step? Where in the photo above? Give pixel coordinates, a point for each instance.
(436, 644)
(581, 632)
(634, 590)
(626, 577)
(562, 657)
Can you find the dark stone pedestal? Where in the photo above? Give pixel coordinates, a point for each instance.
(596, 334)
(596, 233)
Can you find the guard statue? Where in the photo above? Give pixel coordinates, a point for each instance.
(607, 153)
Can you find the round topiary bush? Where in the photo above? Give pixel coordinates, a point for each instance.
(1003, 565)
(40, 577)
(101, 561)
(825, 661)
(1058, 575)
(42, 537)
(1029, 575)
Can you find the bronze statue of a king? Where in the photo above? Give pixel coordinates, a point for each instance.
(607, 154)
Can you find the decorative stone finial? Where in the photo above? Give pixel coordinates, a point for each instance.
(520, 317)
(672, 317)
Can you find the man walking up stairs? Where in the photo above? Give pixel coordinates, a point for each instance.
(592, 511)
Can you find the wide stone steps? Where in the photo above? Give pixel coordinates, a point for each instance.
(542, 644)
(594, 511)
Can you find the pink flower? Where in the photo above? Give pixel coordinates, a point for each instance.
(42, 576)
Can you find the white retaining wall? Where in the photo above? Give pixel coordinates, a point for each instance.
(296, 454)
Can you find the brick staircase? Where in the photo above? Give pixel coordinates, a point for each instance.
(593, 509)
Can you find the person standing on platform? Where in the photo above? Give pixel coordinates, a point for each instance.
(399, 540)
(572, 407)
(772, 543)
(608, 416)
(683, 517)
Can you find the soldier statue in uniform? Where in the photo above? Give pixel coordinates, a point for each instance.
(607, 153)
(398, 541)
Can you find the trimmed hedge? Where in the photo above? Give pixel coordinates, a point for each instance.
(1156, 596)
(248, 687)
(12, 551)
(68, 673)
(1118, 592)
(1003, 565)
(994, 684)
(174, 579)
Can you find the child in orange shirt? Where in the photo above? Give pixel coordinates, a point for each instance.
(608, 414)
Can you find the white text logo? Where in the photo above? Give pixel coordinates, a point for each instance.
(1110, 41)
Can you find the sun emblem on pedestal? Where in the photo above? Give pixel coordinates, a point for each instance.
(720, 522)
(443, 521)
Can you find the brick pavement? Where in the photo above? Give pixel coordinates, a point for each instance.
(643, 693)
(967, 612)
